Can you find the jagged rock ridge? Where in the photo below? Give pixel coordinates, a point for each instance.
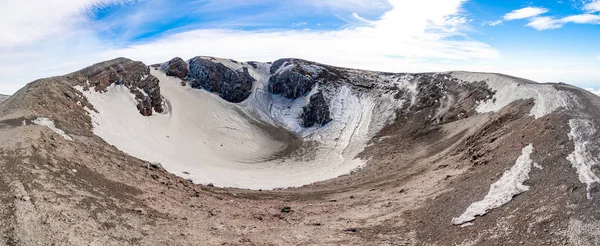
(134, 75)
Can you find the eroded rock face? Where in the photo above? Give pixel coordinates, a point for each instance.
(442, 98)
(176, 67)
(231, 85)
(291, 84)
(316, 113)
(295, 78)
(122, 71)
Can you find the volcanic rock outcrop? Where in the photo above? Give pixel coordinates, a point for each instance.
(316, 112)
(133, 75)
(233, 86)
(176, 67)
(295, 78)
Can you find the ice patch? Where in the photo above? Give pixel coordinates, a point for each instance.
(502, 191)
(42, 121)
(508, 89)
(582, 134)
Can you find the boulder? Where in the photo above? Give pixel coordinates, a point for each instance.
(231, 85)
(176, 67)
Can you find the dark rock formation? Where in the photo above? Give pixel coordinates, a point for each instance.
(316, 113)
(253, 64)
(298, 80)
(176, 67)
(291, 84)
(122, 71)
(278, 64)
(233, 86)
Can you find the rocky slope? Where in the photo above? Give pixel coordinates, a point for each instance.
(452, 158)
(3, 97)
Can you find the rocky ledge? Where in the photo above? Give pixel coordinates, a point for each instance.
(122, 71)
(295, 78)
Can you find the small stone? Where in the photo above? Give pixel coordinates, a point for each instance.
(74, 171)
(351, 230)
(286, 209)
(210, 185)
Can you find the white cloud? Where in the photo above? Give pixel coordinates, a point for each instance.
(546, 23)
(525, 13)
(582, 19)
(493, 23)
(592, 7)
(28, 21)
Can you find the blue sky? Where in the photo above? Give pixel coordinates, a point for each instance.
(547, 41)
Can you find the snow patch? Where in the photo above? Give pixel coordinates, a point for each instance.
(502, 191)
(466, 225)
(582, 134)
(43, 121)
(508, 89)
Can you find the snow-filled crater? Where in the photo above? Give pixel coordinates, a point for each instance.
(256, 144)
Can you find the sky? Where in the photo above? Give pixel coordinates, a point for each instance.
(545, 41)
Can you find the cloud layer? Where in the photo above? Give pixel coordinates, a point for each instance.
(28, 21)
(410, 33)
